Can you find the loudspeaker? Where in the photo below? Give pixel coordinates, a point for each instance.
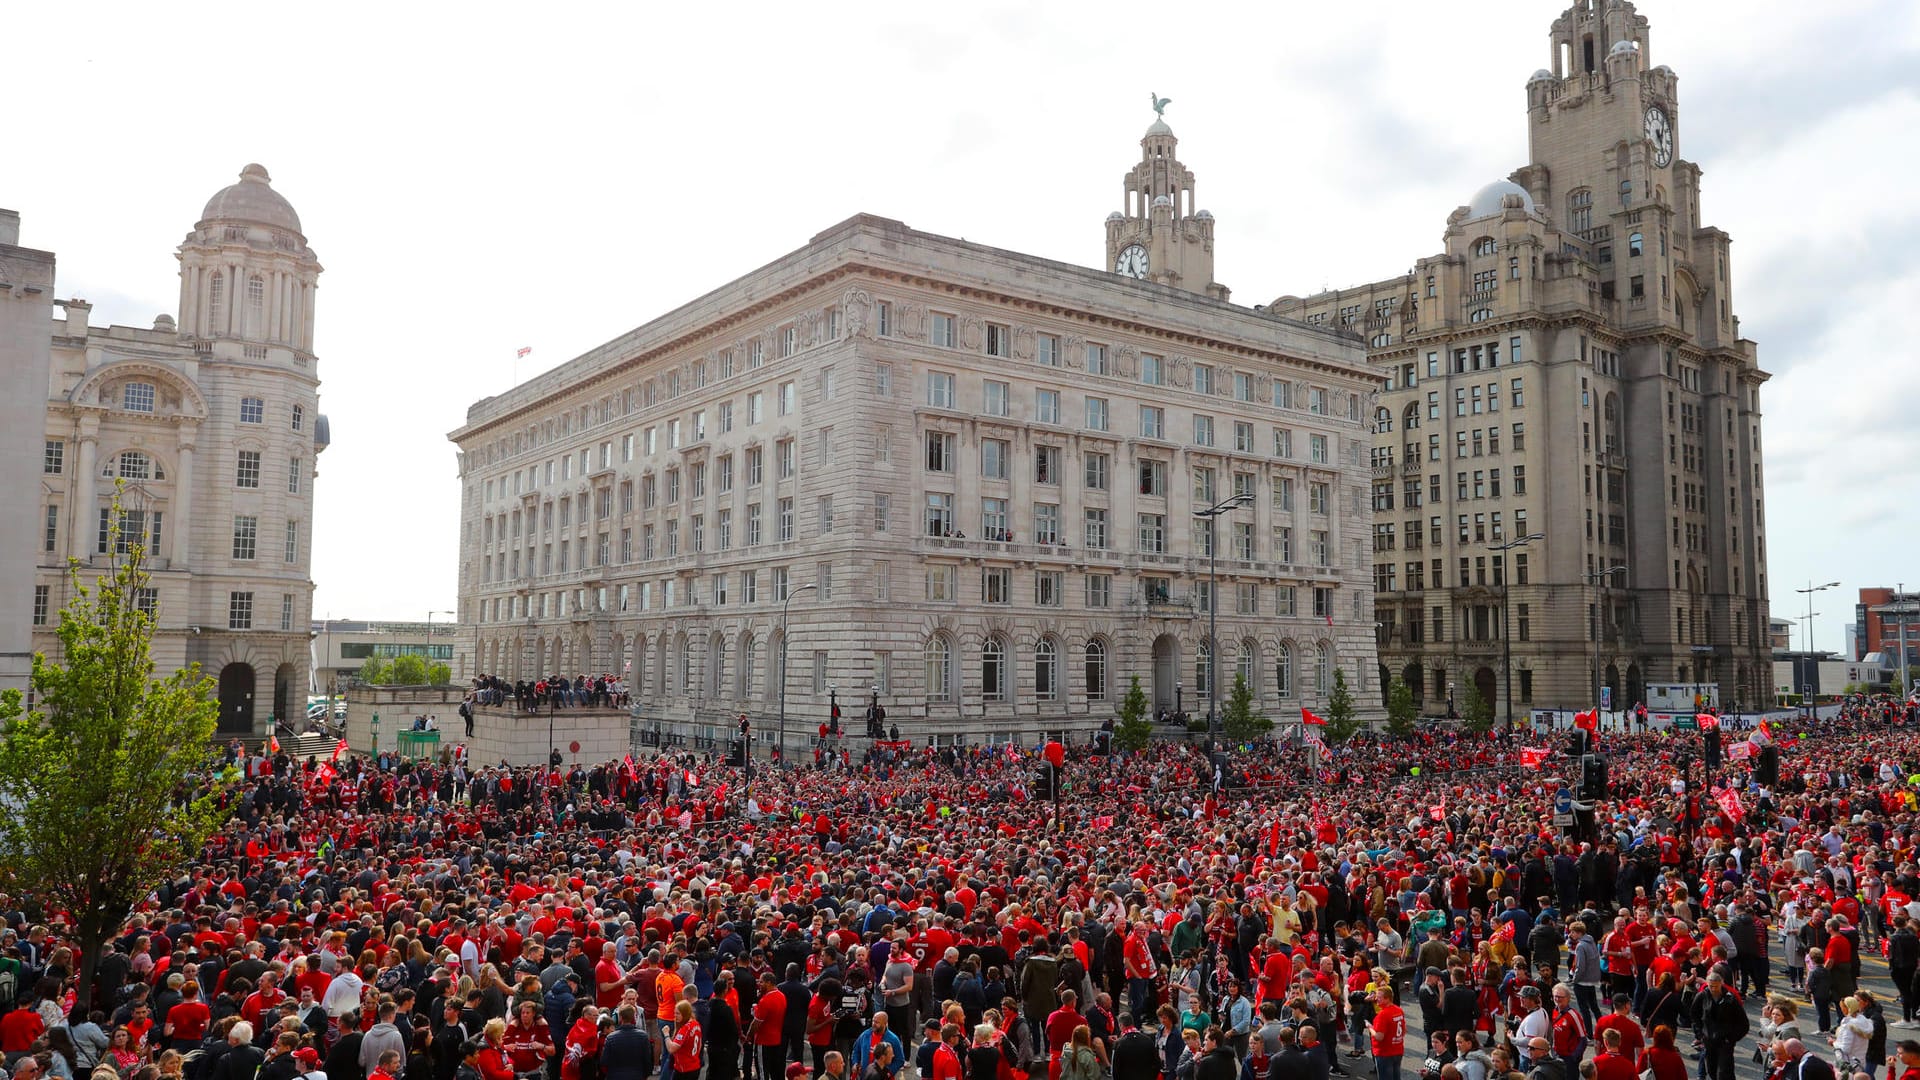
(1593, 777)
(1710, 748)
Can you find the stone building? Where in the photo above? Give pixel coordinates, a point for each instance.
(1569, 365)
(959, 478)
(207, 426)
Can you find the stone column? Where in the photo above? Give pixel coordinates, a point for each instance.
(306, 316)
(189, 297)
(180, 539)
(86, 514)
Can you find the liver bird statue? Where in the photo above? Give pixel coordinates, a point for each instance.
(1159, 103)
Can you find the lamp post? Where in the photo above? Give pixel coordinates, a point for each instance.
(1601, 577)
(1227, 505)
(1506, 642)
(781, 746)
(1813, 666)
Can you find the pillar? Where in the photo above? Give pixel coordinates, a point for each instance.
(180, 538)
(86, 515)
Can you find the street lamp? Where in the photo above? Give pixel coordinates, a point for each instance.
(1506, 642)
(1600, 576)
(1813, 666)
(1236, 502)
(781, 746)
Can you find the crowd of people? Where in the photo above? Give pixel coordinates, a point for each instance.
(663, 915)
(583, 691)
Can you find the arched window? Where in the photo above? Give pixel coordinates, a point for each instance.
(1410, 420)
(134, 465)
(216, 304)
(1046, 670)
(1381, 341)
(1096, 670)
(1383, 419)
(993, 670)
(1635, 243)
(256, 305)
(1249, 664)
(743, 671)
(1486, 245)
(1323, 670)
(1203, 670)
(939, 668)
(1580, 210)
(1283, 670)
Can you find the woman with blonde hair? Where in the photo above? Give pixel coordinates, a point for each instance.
(1851, 1035)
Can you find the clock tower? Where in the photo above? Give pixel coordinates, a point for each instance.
(1160, 237)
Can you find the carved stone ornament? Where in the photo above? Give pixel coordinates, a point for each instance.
(1023, 343)
(1076, 349)
(859, 308)
(972, 330)
(1125, 362)
(808, 325)
(911, 322)
(1263, 387)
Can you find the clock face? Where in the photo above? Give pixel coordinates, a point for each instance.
(1660, 134)
(1132, 261)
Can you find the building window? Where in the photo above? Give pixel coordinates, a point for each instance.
(246, 530)
(1153, 422)
(247, 471)
(51, 534)
(1283, 670)
(216, 305)
(239, 611)
(1202, 430)
(55, 460)
(42, 603)
(993, 520)
(1151, 534)
(939, 668)
(1097, 359)
(942, 333)
(1098, 536)
(286, 611)
(940, 584)
(1098, 472)
(993, 458)
(1153, 370)
(996, 585)
(939, 514)
(940, 389)
(252, 410)
(291, 546)
(1047, 350)
(1096, 414)
(293, 476)
(137, 397)
(940, 452)
(993, 670)
(999, 340)
(1046, 406)
(1099, 590)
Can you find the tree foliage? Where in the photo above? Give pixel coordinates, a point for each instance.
(1402, 713)
(406, 669)
(1476, 712)
(1341, 724)
(1240, 722)
(109, 779)
(1134, 731)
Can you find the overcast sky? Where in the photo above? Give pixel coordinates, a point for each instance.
(476, 178)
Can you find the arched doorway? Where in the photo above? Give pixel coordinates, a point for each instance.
(285, 710)
(1486, 684)
(236, 699)
(1386, 682)
(1416, 681)
(1636, 687)
(1166, 671)
(1613, 683)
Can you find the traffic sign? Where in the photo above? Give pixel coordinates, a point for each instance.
(1685, 722)
(1563, 801)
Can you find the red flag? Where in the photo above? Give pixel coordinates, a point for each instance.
(1437, 813)
(1273, 838)
(1533, 756)
(1740, 751)
(273, 744)
(338, 749)
(1589, 720)
(1707, 721)
(1307, 717)
(1761, 734)
(1504, 932)
(324, 774)
(1729, 801)
(524, 350)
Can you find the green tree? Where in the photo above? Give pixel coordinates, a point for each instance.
(108, 779)
(407, 670)
(1239, 722)
(1476, 712)
(1401, 711)
(1341, 724)
(439, 674)
(1134, 731)
(375, 672)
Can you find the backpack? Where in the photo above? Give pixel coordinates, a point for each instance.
(390, 979)
(9, 983)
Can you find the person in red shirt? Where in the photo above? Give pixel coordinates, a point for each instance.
(1387, 1035)
(609, 982)
(1140, 971)
(1060, 1025)
(1569, 1030)
(528, 1041)
(946, 1058)
(768, 1025)
(263, 1000)
(583, 1042)
(1610, 1063)
(1621, 1020)
(187, 1021)
(685, 1042)
(493, 1063)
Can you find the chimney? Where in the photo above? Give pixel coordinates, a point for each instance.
(77, 313)
(9, 228)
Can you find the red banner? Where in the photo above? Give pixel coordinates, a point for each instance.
(1307, 717)
(1740, 751)
(1707, 721)
(1729, 803)
(1533, 756)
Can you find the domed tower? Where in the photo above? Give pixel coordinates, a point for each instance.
(247, 283)
(1160, 236)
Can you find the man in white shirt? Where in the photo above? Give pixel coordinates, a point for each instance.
(1535, 1025)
